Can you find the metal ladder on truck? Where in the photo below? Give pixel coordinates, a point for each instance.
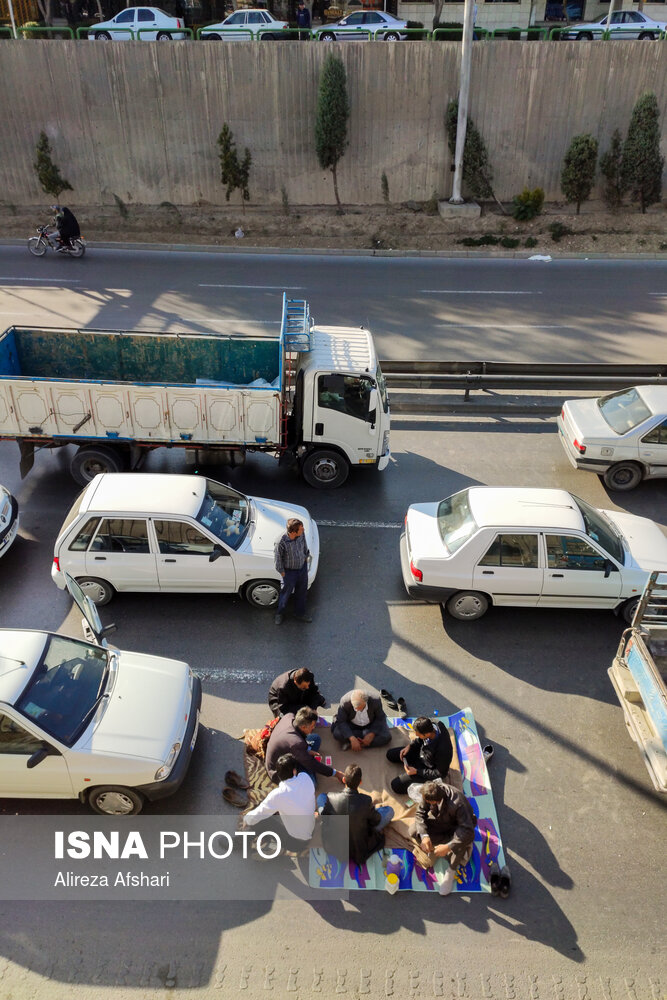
(295, 338)
(652, 607)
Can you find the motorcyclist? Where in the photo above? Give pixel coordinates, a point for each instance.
(68, 227)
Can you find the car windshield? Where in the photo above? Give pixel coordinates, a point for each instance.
(70, 678)
(225, 512)
(623, 410)
(601, 530)
(455, 521)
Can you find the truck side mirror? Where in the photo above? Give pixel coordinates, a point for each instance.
(372, 406)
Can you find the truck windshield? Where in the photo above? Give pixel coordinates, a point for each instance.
(69, 679)
(623, 410)
(601, 530)
(382, 388)
(225, 512)
(455, 521)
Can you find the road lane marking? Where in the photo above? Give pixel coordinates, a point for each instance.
(471, 291)
(278, 288)
(359, 524)
(501, 326)
(233, 675)
(52, 281)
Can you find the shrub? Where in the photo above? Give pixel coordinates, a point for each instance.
(384, 183)
(578, 173)
(234, 173)
(558, 231)
(530, 241)
(285, 200)
(477, 172)
(431, 206)
(641, 166)
(610, 168)
(333, 111)
(528, 204)
(48, 174)
(509, 242)
(487, 240)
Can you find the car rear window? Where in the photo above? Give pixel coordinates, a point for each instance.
(623, 410)
(455, 521)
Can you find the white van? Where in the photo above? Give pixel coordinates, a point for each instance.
(172, 533)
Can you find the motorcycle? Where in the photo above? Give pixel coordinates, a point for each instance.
(48, 238)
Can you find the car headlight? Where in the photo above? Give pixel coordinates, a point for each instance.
(164, 771)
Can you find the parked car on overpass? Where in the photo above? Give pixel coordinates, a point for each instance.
(245, 26)
(362, 24)
(129, 22)
(623, 24)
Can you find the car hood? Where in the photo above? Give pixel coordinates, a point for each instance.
(645, 540)
(585, 418)
(424, 538)
(270, 517)
(147, 710)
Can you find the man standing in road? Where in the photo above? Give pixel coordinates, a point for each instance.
(291, 558)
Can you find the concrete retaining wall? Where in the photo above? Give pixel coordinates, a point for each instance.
(140, 120)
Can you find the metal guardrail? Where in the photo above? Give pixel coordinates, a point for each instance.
(480, 375)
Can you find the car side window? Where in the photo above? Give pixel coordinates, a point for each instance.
(657, 436)
(146, 15)
(125, 16)
(633, 17)
(356, 18)
(14, 739)
(82, 538)
(119, 534)
(180, 538)
(265, 17)
(617, 17)
(238, 18)
(570, 552)
(512, 550)
(254, 17)
(373, 18)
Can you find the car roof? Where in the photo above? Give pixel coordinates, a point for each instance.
(655, 397)
(526, 507)
(152, 493)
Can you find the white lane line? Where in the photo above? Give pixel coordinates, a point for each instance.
(229, 322)
(279, 288)
(471, 291)
(231, 674)
(358, 524)
(500, 326)
(51, 281)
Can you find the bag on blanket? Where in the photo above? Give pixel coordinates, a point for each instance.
(257, 740)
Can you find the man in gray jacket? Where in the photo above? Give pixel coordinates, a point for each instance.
(291, 559)
(360, 722)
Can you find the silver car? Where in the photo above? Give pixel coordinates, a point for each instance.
(144, 23)
(245, 26)
(364, 24)
(623, 24)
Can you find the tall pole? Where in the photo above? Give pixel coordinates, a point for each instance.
(464, 92)
(11, 16)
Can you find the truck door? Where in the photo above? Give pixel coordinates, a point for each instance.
(341, 415)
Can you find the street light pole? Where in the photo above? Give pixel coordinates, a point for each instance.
(11, 16)
(464, 92)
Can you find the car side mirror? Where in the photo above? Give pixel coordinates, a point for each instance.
(39, 755)
(609, 567)
(216, 553)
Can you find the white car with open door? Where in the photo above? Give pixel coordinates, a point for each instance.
(81, 719)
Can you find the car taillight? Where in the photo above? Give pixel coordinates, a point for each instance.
(581, 448)
(562, 414)
(56, 563)
(417, 573)
(178, 23)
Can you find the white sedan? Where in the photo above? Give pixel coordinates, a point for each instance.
(363, 24)
(80, 719)
(623, 24)
(9, 519)
(622, 436)
(527, 547)
(245, 26)
(144, 23)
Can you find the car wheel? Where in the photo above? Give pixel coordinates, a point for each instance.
(324, 469)
(99, 591)
(163, 36)
(266, 36)
(102, 36)
(327, 36)
(467, 605)
(623, 476)
(37, 246)
(584, 36)
(212, 38)
(391, 36)
(647, 34)
(89, 461)
(114, 800)
(262, 593)
(628, 610)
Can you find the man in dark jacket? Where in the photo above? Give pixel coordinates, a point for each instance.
(360, 722)
(291, 555)
(445, 827)
(366, 823)
(68, 227)
(292, 690)
(426, 758)
(302, 19)
(290, 736)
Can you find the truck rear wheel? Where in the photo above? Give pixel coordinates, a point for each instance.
(324, 469)
(89, 461)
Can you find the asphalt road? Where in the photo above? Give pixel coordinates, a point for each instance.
(422, 308)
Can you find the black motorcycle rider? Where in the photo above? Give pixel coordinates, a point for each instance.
(68, 227)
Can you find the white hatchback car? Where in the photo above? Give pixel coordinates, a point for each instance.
(622, 436)
(9, 519)
(244, 26)
(80, 719)
(143, 23)
(175, 533)
(527, 548)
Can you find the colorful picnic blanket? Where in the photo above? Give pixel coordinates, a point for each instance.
(326, 872)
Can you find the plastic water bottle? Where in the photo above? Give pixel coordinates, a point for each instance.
(436, 712)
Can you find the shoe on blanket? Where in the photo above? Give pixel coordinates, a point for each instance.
(401, 704)
(494, 878)
(234, 780)
(505, 882)
(235, 797)
(389, 698)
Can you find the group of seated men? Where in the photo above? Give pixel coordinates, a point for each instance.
(444, 823)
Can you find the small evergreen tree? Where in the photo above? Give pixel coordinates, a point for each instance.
(610, 168)
(477, 172)
(641, 165)
(48, 174)
(578, 173)
(234, 173)
(333, 111)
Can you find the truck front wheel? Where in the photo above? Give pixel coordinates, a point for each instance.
(325, 470)
(88, 462)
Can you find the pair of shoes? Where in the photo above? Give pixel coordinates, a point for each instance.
(278, 618)
(403, 707)
(389, 698)
(235, 797)
(303, 618)
(494, 878)
(234, 780)
(345, 745)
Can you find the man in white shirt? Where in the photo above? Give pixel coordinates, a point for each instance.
(360, 722)
(294, 802)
